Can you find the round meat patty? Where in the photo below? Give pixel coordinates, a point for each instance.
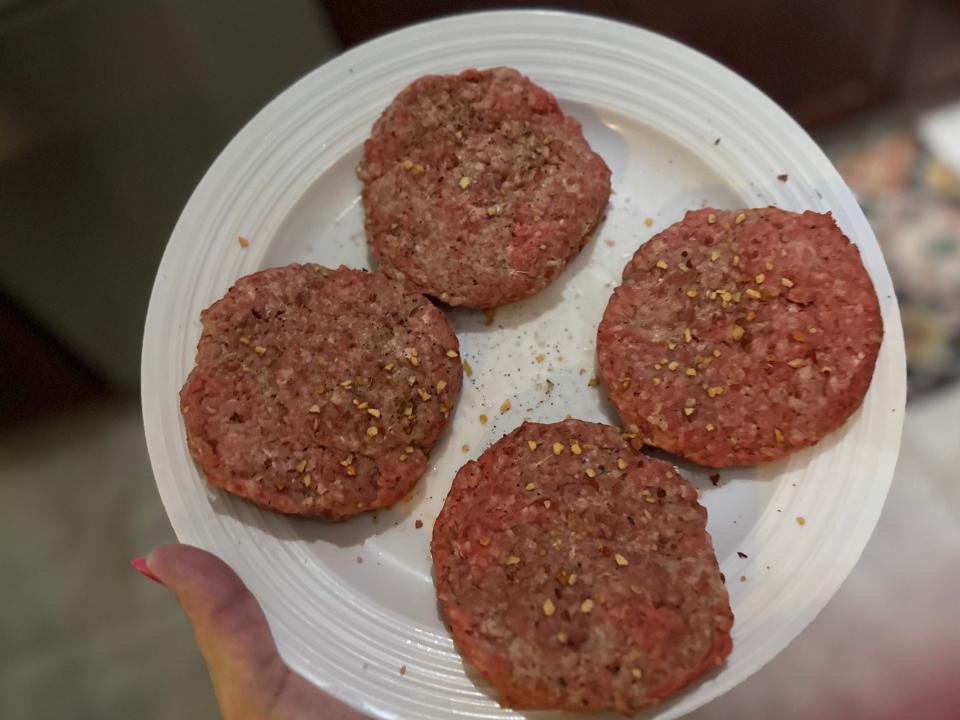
(740, 336)
(319, 392)
(478, 189)
(577, 573)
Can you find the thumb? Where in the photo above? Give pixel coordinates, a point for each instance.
(250, 679)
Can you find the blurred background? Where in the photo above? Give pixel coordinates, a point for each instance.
(110, 112)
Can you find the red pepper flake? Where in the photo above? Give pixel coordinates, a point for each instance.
(741, 554)
(418, 524)
(783, 178)
(715, 479)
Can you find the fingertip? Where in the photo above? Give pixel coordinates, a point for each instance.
(249, 676)
(179, 565)
(213, 596)
(140, 565)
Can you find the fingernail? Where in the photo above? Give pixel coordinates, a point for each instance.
(140, 565)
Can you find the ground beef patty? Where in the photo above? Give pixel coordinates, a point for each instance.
(738, 337)
(478, 189)
(577, 573)
(319, 392)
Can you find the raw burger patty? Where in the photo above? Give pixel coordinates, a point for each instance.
(738, 337)
(478, 189)
(577, 573)
(319, 392)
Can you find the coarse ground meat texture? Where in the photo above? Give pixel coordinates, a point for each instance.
(478, 189)
(740, 336)
(319, 392)
(577, 574)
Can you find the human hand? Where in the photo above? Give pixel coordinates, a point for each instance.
(250, 679)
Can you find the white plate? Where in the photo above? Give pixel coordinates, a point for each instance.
(679, 131)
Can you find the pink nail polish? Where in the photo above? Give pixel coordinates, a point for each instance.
(140, 565)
